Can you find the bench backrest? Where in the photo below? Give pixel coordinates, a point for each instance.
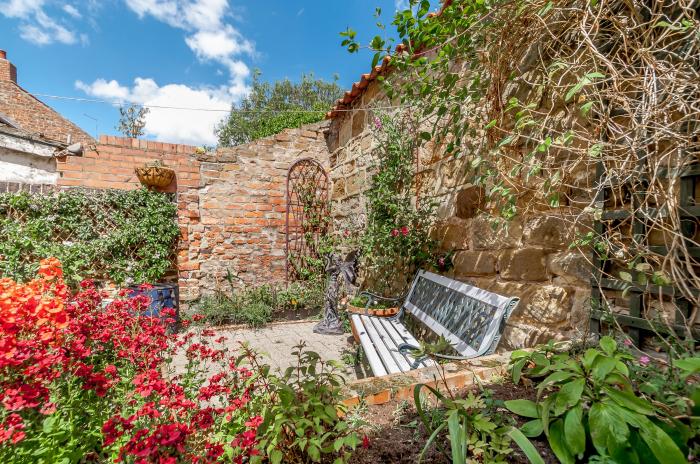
(470, 318)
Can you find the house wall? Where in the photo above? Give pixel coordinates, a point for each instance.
(25, 168)
(530, 259)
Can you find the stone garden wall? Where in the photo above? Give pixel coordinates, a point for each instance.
(530, 259)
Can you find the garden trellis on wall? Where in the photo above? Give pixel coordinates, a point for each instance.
(638, 304)
(122, 236)
(307, 218)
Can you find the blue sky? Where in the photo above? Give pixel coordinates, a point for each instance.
(184, 53)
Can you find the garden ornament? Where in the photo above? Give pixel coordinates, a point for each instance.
(339, 271)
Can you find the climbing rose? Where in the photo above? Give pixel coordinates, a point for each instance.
(404, 231)
(395, 232)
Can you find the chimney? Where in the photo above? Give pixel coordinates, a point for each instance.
(8, 72)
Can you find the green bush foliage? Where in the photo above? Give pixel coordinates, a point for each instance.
(124, 236)
(301, 421)
(272, 107)
(591, 408)
(257, 306)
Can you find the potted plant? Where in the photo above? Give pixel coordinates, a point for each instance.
(363, 305)
(155, 174)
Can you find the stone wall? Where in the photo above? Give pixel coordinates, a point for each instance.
(530, 259)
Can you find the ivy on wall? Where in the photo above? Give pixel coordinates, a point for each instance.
(124, 236)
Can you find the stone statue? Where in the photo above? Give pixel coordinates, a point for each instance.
(340, 272)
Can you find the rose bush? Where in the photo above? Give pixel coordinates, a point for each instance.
(85, 382)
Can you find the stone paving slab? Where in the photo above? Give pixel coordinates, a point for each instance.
(276, 343)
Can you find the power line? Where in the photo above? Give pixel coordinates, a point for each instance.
(228, 110)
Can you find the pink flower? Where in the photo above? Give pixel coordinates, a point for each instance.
(377, 123)
(441, 261)
(627, 342)
(644, 360)
(404, 231)
(395, 232)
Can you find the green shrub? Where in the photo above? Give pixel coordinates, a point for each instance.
(123, 236)
(301, 422)
(589, 408)
(257, 306)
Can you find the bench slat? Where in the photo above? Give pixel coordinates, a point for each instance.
(400, 334)
(390, 343)
(370, 352)
(380, 345)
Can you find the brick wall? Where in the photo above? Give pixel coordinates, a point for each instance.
(231, 203)
(30, 113)
(237, 218)
(530, 259)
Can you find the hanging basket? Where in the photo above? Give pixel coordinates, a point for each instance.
(155, 176)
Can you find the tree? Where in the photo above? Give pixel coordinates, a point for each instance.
(132, 120)
(272, 107)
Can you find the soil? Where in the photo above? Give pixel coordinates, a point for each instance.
(400, 438)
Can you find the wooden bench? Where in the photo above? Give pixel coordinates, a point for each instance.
(471, 319)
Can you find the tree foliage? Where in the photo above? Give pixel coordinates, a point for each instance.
(272, 107)
(132, 120)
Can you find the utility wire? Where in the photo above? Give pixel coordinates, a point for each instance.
(228, 110)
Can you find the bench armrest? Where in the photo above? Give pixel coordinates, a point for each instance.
(377, 297)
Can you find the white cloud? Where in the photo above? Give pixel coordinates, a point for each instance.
(171, 125)
(401, 4)
(36, 25)
(209, 35)
(72, 11)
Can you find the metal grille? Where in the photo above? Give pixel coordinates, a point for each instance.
(308, 217)
(466, 317)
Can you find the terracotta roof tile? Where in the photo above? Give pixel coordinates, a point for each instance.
(359, 87)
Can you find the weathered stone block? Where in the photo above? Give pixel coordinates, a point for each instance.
(526, 336)
(485, 237)
(547, 231)
(452, 234)
(523, 264)
(469, 201)
(571, 266)
(338, 189)
(548, 305)
(474, 263)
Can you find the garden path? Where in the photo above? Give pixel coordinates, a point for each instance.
(276, 343)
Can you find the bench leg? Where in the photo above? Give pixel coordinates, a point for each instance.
(355, 335)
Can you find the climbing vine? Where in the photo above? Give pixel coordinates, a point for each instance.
(396, 240)
(123, 236)
(569, 107)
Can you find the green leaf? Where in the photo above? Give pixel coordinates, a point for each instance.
(604, 427)
(608, 344)
(276, 456)
(626, 276)
(558, 444)
(574, 432)
(533, 428)
(602, 366)
(314, 453)
(568, 395)
(526, 446)
(517, 369)
(525, 408)
(457, 442)
(554, 378)
(630, 401)
(689, 365)
(661, 445)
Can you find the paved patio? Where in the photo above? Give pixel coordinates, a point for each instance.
(277, 341)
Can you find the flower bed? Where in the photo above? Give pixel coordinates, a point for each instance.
(79, 383)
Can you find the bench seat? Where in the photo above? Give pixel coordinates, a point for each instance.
(470, 319)
(380, 338)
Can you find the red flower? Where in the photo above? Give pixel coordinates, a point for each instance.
(404, 231)
(395, 233)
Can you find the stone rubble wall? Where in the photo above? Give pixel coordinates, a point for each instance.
(531, 259)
